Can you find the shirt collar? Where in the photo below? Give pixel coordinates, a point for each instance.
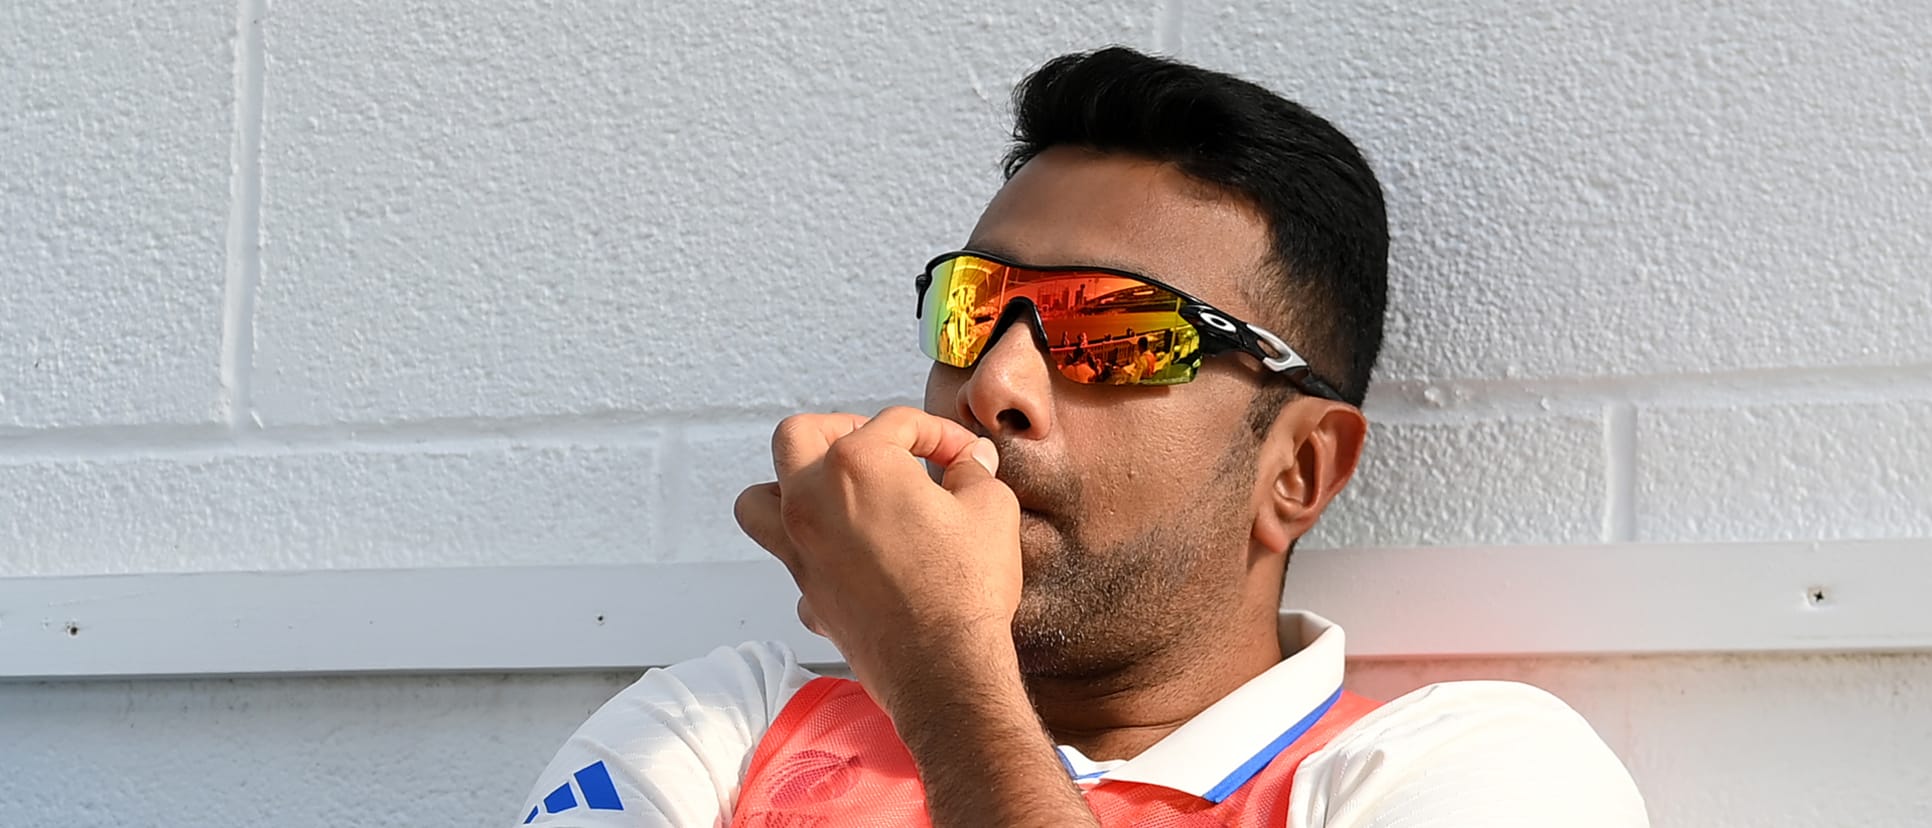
(1218, 751)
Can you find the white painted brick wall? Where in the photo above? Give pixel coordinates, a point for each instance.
(433, 505)
(115, 132)
(525, 209)
(1429, 484)
(1786, 472)
(349, 284)
(1666, 188)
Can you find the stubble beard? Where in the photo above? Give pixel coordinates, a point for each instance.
(1089, 609)
(1086, 612)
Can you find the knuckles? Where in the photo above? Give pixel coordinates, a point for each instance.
(900, 412)
(849, 453)
(800, 519)
(793, 430)
(745, 508)
(754, 510)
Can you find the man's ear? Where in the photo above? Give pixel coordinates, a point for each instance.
(1305, 459)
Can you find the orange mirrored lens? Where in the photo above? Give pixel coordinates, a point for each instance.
(1100, 328)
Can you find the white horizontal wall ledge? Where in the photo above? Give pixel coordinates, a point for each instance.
(1430, 602)
(1624, 599)
(470, 619)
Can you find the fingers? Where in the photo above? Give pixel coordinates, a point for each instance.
(971, 479)
(759, 511)
(980, 461)
(802, 439)
(924, 435)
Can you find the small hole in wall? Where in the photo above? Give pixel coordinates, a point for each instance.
(600, 619)
(73, 629)
(1816, 596)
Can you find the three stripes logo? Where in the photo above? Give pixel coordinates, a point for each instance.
(593, 789)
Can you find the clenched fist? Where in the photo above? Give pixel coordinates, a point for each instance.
(894, 568)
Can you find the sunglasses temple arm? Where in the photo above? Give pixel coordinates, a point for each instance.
(1287, 360)
(1314, 384)
(1291, 365)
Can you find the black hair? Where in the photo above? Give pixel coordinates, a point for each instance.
(1329, 233)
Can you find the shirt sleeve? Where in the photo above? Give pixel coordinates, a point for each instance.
(1489, 753)
(670, 750)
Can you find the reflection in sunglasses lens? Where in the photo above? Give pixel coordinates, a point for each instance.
(1100, 328)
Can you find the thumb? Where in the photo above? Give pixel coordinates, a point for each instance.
(976, 465)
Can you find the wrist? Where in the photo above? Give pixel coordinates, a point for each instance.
(980, 749)
(972, 668)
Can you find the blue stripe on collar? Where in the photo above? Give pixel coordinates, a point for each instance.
(1255, 763)
(1072, 772)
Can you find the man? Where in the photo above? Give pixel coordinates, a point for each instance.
(1030, 646)
(1147, 363)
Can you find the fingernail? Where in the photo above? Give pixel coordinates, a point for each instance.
(987, 455)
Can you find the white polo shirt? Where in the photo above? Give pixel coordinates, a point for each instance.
(671, 749)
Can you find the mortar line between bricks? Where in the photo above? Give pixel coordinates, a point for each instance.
(1396, 403)
(1418, 401)
(673, 461)
(195, 441)
(188, 443)
(1167, 26)
(1620, 473)
(244, 254)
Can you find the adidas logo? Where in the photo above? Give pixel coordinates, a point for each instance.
(593, 789)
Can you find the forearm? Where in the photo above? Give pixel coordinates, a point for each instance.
(982, 754)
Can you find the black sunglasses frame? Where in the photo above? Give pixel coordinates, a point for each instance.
(1220, 331)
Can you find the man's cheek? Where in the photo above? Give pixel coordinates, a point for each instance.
(942, 388)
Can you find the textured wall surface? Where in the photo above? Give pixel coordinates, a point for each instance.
(344, 283)
(115, 136)
(403, 750)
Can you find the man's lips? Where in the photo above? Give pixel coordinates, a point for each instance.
(1034, 513)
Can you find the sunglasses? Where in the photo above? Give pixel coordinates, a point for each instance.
(1100, 326)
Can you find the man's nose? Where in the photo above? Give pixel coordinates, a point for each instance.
(1010, 392)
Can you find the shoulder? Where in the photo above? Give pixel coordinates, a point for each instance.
(671, 748)
(738, 688)
(764, 669)
(1494, 753)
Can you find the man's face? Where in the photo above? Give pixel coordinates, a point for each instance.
(1138, 502)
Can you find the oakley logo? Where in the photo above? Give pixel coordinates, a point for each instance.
(1217, 321)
